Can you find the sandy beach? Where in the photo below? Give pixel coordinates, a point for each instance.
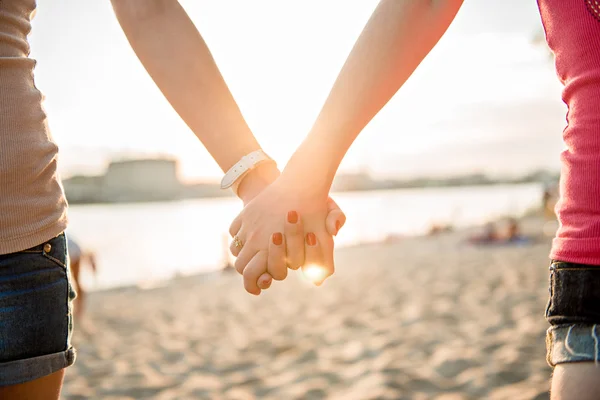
(420, 318)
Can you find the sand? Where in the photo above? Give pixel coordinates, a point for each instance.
(422, 318)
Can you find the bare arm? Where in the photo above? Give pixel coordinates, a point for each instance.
(180, 63)
(397, 37)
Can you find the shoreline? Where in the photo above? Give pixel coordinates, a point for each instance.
(526, 220)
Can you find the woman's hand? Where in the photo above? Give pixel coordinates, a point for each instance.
(256, 182)
(314, 261)
(277, 219)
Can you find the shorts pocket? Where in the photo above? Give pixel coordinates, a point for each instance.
(36, 299)
(54, 250)
(55, 260)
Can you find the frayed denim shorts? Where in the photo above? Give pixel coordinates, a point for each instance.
(573, 312)
(35, 312)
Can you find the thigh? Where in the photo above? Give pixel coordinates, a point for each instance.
(35, 313)
(577, 381)
(45, 388)
(573, 340)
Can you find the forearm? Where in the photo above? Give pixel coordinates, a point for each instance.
(397, 37)
(178, 60)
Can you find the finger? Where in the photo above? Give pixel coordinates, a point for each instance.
(294, 238)
(235, 249)
(334, 221)
(247, 253)
(255, 268)
(264, 281)
(327, 246)
(332, 205)
(235, 226)
(276, 264)
(313, 267)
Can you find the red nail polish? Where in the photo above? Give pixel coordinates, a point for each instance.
(338, 225)
(292, 217)
(311, 239)
(277, 239)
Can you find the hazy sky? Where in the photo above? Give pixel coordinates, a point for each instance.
(486, 98)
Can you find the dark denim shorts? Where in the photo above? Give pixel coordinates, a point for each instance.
(35, 312)
(574, 313)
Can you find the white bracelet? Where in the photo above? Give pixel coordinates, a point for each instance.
(242, 167)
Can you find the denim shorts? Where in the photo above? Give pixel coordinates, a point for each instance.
(35, 312)
(573, 312)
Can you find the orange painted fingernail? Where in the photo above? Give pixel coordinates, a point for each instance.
(338, 225)
(277, 239)
(311, 239)
(292, 217)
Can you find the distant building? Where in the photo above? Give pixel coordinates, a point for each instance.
(133, 180)
(84, 189)
(351, 182)
(129, 180)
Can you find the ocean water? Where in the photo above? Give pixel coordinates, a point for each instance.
(151, 242)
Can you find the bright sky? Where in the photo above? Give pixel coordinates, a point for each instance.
(485, 99)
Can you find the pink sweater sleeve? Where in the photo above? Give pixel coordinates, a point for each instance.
(573, 33)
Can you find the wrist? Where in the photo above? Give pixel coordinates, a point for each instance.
(256, 180)
(310, 170)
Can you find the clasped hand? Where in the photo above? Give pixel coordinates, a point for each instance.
(285, 227)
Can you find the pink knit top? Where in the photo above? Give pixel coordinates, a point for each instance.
(573, 33)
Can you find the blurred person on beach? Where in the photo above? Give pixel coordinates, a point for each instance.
(546, 198)
(489, 235)
(549, 198)
(514, 235)
(549, 201)
(77, 257)
(514, 230)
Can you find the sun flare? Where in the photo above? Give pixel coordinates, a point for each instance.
(315, 273)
